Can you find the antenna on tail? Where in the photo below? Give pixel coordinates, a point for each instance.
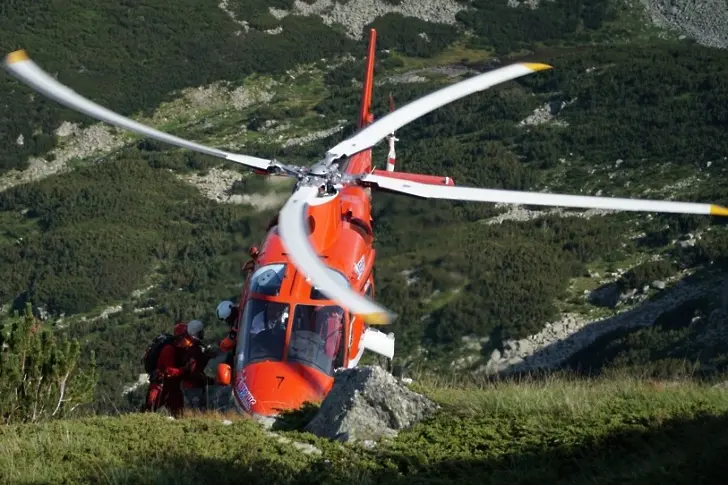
(391, 157)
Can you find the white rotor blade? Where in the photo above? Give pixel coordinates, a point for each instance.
(292, 226)
(372, 134)
(24, 69)
(535, 198)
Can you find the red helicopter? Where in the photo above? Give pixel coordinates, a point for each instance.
(306, 306)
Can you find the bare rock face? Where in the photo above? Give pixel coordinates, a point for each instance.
(706, 21)
(356, 14)
(368, 403)
(559, 340)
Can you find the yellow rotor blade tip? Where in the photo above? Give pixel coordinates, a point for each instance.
(17, 56)
(718, 210)
(376, 318)
(537, 66)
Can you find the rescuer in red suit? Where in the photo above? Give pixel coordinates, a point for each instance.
(195, 383)
(177, 362)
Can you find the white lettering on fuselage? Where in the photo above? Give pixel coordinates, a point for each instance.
(245, 397)
(359, 268)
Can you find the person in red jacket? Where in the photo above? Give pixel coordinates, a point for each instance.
(176, 363)
(195, 383)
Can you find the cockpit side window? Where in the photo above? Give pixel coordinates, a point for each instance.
(317, 337)
(317, 295)
(268, 279)
(263, 331)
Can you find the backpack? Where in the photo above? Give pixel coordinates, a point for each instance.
(151, 355)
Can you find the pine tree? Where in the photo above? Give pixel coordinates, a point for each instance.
(40, 376)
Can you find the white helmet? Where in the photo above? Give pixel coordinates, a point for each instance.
(195, 328)
(224, 309)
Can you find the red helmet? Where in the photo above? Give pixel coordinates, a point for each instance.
(180, 328)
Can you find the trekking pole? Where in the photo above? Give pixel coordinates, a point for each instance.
(207, 398)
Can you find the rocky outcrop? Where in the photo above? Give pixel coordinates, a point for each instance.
(305, 448)
(559, 340)
(316, 135)
(355, 14)
(518, 213)
(368, 403)
(524, 3)
(224, 5)
(416, 75)
(100, 139)
(706, 21)
(546, 114)
(95, 140)
(217, 184)
(190, 103)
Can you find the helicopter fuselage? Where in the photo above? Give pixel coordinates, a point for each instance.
(288, 348)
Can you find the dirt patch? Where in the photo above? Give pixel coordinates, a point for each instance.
(217, 185)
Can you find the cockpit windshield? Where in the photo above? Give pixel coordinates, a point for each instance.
(264, 331)
(317, 337)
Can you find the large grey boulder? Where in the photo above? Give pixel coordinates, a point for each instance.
(368, 403)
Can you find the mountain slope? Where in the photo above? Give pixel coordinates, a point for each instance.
(115, 249)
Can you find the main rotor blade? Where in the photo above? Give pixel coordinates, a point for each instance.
(535, 198)
(292, 227)
(20, 66)
(372, 134)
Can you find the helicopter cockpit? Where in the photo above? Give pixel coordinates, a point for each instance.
(316, 330)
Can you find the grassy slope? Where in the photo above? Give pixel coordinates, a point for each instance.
(608, 432)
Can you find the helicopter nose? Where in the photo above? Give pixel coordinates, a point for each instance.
(269, 388)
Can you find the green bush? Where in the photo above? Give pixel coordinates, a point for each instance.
(509, 29)
(645, 273)
(42, 376)
(412, 36)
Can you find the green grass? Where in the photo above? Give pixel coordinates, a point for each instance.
(609, 431)
(453, 54)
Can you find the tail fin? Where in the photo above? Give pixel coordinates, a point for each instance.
(365, 113)
(361, 163)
